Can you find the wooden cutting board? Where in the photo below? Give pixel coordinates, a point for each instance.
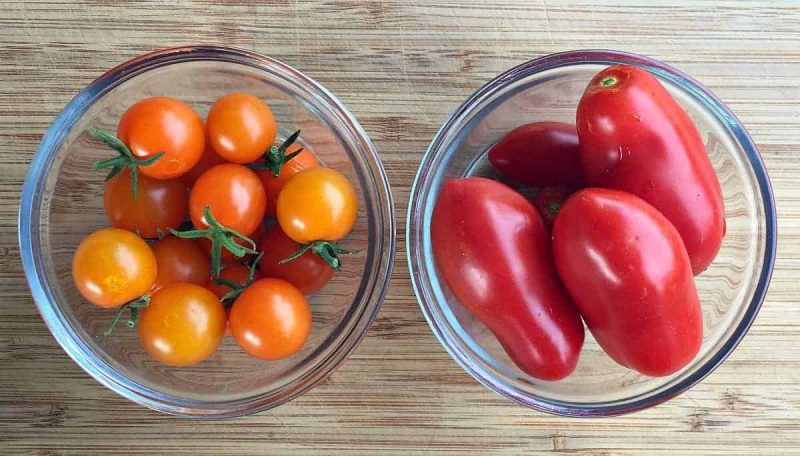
(402, 66)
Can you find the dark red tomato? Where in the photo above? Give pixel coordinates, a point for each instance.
(208, 160)
(179, 261)
(309, 273)
(236, 273)
(548, 201)
(625, 266)
(635, 137)
(540, 154)
(493, 251)
(159, 204)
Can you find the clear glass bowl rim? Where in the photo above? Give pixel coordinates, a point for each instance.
(28, 223)
(547, 62)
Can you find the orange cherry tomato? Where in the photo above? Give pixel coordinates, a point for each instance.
(182, 325)
(271, 319)
(113, 266)
(235, 196)
(163, 124)
(208, 160)
(273, 185)
(317, 204)
(240, 127)
(309, 273)
(159, 204)
(180, 260)
(236, 273)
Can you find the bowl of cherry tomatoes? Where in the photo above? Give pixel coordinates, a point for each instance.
(591, 233)
(207, 231)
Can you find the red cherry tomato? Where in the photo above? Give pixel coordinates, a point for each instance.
(240, 127)
(492, 249)
(273, 185)
(625, 266)
(271, 319)
(635, 137)
(180, 260)
(162, 124)
(208, 160)
(235, 196)
(540, 154)
(309, 273)
(159, 204)
(236, 273)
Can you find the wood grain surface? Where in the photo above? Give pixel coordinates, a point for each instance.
(402, 66)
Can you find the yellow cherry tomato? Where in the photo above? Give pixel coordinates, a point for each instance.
(318, 204)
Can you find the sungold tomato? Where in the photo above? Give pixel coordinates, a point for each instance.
(273, 185)
(235, 196)
(113, 266)
(159, 204)
(309, 273)
(163, 124)
(236, 273)
(182, 325)
(240, 127)
(180, 260)
(317, 204)
(271, 319)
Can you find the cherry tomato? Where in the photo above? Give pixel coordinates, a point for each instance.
(162, 124)
(240, 127)
(317, 204)
(492, 250)
(271, 319)
(236, 273)
(182, 325)
(159, 204)
(625, 266)
(540, 154)
(113, 266)
(180, 260)
(273, 185)
(235, 196)
(635, 137)
(208, 160)
(309, 273)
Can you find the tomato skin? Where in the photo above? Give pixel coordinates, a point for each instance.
(273, 185)
(317, 204)
(208, 160)
(540, 154)
(492, 249)
(548, 202)
(309, 273)
(235, 195)
(163, 124)
(113, 266)
(635, 137)
(240, 127)
(160, 204)
(625, 266)
(271, 319)
(180, 260)
(182, 325)
(236, 273)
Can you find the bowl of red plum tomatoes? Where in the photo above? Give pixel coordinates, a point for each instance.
(207, 231)
(591, 233)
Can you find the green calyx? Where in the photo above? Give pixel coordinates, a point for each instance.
(125, 159)
(221, 237)
(133, 308)
(327, 250)
(238, 288)
(276, 157)
(608, 81)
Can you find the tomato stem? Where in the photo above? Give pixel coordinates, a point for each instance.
(124, 160)
(608, 81)
(276, 157)
(238, 288)
(327, 250)
(220, 236)
(133, 307)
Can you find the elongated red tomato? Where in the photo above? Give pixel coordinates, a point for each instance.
(540, 154)
(625, 267)
(635, 137)
(492, 249)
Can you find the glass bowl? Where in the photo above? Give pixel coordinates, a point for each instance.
(731, 290)
(62, 202)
